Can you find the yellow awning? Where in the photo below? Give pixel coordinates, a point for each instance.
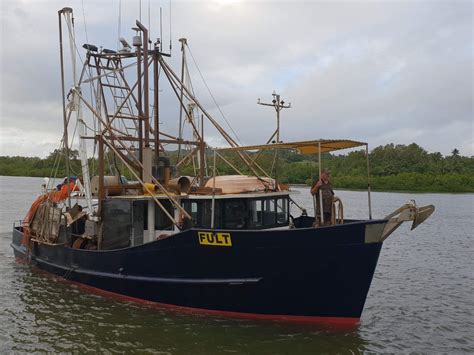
(303, 147)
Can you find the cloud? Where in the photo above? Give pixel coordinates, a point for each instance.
(379, 72)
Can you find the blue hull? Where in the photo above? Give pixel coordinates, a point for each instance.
(297, 274)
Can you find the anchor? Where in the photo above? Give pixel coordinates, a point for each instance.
(408, 212)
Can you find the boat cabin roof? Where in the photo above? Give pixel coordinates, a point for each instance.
(204, 197)
(241, 195)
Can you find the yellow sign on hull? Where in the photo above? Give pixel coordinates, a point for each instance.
(215, 239)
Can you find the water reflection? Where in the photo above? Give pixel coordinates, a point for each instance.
(51, 315)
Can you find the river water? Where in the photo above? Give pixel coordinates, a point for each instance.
(421, 298)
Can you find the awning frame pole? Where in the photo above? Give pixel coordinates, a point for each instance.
(315, 206)
(368, 180)
(319, 190)
(213, 203)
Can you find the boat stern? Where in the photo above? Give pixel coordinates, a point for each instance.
(19, 249)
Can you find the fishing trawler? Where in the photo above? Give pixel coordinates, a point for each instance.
(209, 243)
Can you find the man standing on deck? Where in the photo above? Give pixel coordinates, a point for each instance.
(323, 186)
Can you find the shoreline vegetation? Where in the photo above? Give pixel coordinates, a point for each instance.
(401, 168)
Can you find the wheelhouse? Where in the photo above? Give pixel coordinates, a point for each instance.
(133, 221)
(249, 211)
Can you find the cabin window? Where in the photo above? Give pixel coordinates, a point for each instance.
(117, 215)
(239, 213)
(234, 214)
(162, 221)
(192, 208)
(207, 214)
(269, 212)
(282, 211)
(256, 213)
(201, 212)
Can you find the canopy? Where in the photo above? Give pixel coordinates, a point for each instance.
(303, 147)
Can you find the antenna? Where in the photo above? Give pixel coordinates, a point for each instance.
(278, 105)
(149, 24)
(119, 29)
(170, 28)
(161, 29)
(140, 10)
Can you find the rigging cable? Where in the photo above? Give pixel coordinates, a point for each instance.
(74, 42)
(84, 19)
(187, 79)
(212, 96)
(54, 169)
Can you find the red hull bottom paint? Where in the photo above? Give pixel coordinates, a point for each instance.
(21, 261)
(340, 322)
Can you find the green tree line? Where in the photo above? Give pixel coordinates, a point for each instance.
(393, 168)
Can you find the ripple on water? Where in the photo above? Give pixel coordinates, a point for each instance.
(421, 300)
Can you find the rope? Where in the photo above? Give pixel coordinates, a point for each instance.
(212, 96)
(55, 167)
(74, 43)
(273, 163)
(187, 78)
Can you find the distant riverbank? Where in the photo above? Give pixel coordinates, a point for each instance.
(393, 168)
(449, 183)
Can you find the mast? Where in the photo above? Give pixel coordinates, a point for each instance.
(147, 152)
(137, 42)
(278, 105)
(198, 135)
(101, 173)
(76, 106)
(65, 11)
(183, 64)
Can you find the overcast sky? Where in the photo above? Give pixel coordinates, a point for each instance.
(381, 72)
